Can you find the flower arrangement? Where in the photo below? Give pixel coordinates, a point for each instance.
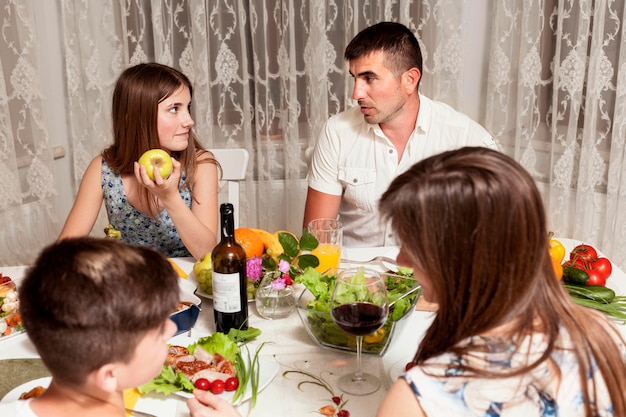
(286, 266)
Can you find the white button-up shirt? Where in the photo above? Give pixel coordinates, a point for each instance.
(355, 159)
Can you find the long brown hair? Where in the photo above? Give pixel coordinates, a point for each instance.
(136, 97)
(473, 221)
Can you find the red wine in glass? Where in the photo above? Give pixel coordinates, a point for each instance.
(359, 318)
(359, 306)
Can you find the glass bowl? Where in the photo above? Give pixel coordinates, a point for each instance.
(321, 328)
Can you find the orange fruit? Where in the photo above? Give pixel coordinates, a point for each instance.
(251, 242)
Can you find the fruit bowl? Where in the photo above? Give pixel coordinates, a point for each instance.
(321, 328)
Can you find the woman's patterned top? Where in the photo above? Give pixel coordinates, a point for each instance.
(137, 228)
(443, 389)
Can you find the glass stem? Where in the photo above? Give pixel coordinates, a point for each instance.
(358, 376)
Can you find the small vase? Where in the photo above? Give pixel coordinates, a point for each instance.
(274, 304)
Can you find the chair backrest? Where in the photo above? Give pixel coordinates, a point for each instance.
(234, 162)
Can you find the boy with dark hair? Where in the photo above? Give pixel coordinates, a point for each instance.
(97, 311)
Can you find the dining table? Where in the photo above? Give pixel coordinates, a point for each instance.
(298, 377)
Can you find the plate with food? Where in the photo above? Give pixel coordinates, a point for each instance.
(213, 363)
(157, 406)
(10, 318)
(30, 389)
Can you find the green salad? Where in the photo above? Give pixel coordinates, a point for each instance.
(326, 332)
(228, 345)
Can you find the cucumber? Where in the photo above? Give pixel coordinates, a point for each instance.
(596, 293)
(574, 276)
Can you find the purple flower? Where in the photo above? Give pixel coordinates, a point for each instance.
(283, 266)
(278, 283)
(254, 269)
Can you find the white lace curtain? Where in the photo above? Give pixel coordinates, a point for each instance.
(266, 75)
(557, 103)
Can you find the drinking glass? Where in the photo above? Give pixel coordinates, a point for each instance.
(329, 234)
(359, 306)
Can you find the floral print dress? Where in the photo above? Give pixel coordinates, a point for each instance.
(136, 227)
(443, 389)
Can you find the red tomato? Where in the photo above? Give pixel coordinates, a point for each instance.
(231, 383)
(218, 386)
(603, 266)
(596, 278)
(203, 384)
(586, 252)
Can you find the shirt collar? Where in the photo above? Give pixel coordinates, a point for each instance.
(423, 116)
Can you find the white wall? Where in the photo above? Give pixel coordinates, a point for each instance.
(51, 58)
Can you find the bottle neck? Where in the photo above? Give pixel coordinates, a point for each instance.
(228, 221)
(228, 226)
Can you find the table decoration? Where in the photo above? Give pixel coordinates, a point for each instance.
(264, 251)
(273, 277)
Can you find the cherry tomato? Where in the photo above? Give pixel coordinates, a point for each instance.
(231, 383)
(596, 278)
(585, 252)
(203, 384)
(603, 266)
(218, 386)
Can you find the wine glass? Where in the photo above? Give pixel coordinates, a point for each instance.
(359, 306)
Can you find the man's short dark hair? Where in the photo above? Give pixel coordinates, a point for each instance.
(394, 39)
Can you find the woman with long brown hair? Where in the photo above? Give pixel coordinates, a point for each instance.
(176, 215)
(506, 340)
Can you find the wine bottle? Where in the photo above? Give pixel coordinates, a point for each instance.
(230, 298)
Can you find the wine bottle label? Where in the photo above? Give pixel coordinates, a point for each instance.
(226, 295)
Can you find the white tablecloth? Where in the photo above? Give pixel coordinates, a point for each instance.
(288, 343)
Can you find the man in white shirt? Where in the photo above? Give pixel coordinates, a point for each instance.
(362, 149)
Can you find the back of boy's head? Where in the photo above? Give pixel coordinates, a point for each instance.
(88, 301)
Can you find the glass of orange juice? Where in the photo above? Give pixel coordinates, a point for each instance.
(329, 234)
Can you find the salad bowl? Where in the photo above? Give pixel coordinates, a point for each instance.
(314, 312)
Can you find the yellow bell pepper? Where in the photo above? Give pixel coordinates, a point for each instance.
(557, 253)
(375, 337)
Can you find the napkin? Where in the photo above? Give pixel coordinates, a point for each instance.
(131, 396)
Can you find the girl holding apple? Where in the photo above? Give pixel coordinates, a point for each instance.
(176, 214)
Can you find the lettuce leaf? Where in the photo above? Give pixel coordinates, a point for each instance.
(170, 381)
(167, 382)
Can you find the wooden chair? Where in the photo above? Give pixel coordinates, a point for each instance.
(234, 162)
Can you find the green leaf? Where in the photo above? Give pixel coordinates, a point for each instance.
(289, 243)
(308, 260)
(268, 263)
(220, 343)
(243, 336)
(308, 241)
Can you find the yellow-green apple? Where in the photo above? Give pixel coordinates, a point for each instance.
(156, 159)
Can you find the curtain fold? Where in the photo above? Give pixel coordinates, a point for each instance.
(27, 177)
(266, 76)
(556, 104)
